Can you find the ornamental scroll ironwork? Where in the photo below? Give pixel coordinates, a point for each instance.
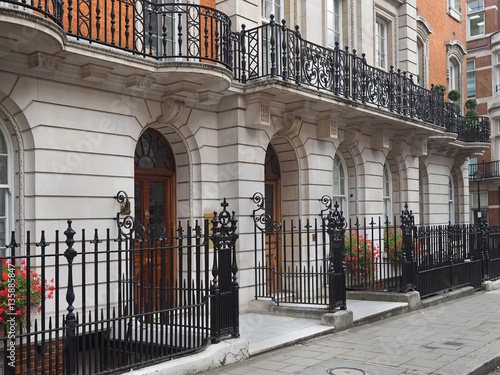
(262, 220)
(126, 224)
(331, 215)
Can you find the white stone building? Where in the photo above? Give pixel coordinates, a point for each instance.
(79, 111)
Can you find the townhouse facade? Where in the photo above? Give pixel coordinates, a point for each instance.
(181, 106)
(483, 88)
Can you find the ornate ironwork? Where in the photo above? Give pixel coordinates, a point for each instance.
(126, 224)
(263, 221)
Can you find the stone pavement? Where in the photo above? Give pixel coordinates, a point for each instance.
(454, 338)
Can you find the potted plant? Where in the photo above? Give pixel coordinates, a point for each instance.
(360, 258)
(454, 95)
(440, 88)
(471, 104)
(17, 287)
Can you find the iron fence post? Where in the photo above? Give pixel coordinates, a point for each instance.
(485, 258)
(235, 286)
(407, 228)
(70, 321)
(214, 288)
(336, 259)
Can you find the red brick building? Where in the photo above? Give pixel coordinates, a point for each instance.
(483, 85)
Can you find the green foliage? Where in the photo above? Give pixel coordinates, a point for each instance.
(16, 288)
(360, 256)
(393, 244)
(454, 95)
(471, 104)
(471, 114)
(441, 88)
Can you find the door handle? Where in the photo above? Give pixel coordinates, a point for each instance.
(146, 214)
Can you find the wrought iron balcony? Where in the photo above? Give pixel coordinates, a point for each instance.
(187, 32)
(274, 51)
(489, 170)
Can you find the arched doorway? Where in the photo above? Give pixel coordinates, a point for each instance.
(154, 196)
(272, 205)
(154, 181)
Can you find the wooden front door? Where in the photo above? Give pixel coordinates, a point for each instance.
(154, 258)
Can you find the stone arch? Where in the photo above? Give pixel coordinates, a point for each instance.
(397, 166)
(461, 214)
(289, 157)
(355, 168)
(187, 160)
(21, 140)
(423, 177)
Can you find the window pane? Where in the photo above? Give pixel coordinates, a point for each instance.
(476, 24)
(474, 6)
(3, 196)
(3, 169)
(381, 44)
(471, 84)
(471, 65)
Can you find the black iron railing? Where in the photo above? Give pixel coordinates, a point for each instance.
(101, 305)
(489, 170)
(274, 51)
(187, 32)
(316, 261)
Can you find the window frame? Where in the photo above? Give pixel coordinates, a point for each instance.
(339, 166)
(266, 18)
(387, 193)
(8, 188)
(451, 201)
(471, 78)
(337, 21)
(472, 15)
(384, 38)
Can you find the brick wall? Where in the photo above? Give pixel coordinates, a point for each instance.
(445, 28)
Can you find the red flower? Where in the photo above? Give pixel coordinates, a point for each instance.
(5, 277)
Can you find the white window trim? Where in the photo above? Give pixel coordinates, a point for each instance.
(328, 5)
(387, 193)
(451, 201)
(344, 203)
(473, 13)
(385, 28)
(9, 187)
(277, 17)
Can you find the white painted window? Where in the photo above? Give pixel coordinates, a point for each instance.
(381, 43)
(471, 78)
(6, 187)
(387, 193)
(340, 187)
(453, 75)
(475, 18)
(451, 201)
(272, 7)
(454, 4)
(334, 22)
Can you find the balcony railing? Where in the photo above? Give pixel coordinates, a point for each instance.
(186, 32)
(274, 51)
(489, 170)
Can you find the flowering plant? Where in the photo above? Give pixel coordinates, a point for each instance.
(393, 244)
(360, 255)
(17, 287)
